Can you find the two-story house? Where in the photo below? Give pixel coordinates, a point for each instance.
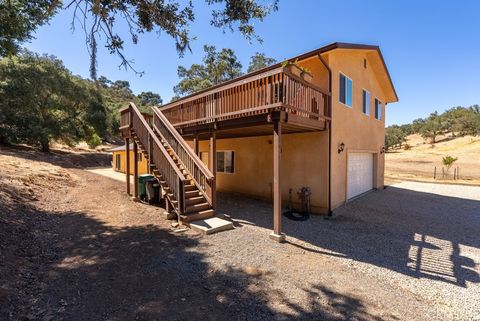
(272, 130)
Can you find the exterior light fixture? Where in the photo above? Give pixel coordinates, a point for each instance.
(341, 147)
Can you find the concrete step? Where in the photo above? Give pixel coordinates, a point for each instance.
(211, 225)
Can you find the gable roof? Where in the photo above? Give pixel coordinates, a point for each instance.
(318, 51)
(345, 45)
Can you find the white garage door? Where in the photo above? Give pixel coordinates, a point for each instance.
(360, 173)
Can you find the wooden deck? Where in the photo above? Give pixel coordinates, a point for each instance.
(252, 104)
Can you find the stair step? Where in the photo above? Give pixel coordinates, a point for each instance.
(190, 187)
(197, 207)
(200, 215)
(195, 200)
(190, 194)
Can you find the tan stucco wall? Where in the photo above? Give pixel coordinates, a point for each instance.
(305, 156)
(356, 130)
(142, 165)
(304, 163)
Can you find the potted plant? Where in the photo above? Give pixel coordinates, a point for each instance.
(298, 70)
(293, 67)
(306, 74)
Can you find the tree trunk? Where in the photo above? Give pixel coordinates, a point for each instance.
(45, 144)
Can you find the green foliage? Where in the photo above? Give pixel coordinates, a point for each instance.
(217, 67)
(94, 141)
(148, 98)
(259, 61)
(394, 135)
(433, 126)
(448, 161)
(100, 18)
(459, 121)
(19, 19)
(42, 101)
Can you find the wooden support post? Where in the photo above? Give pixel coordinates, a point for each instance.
(150, 154)
(195, 145)
(277, 234)
(212, 162)
(127, 163)
(135, 170)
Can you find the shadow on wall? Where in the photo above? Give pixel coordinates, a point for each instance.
(66, 265)
(414, 233)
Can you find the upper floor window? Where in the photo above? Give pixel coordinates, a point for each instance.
(366, 102)
(346, 85)
(378, 109)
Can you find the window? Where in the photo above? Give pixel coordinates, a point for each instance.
(225, 162)
(118, 162)
(366, 102)
(378, 109)
(346, 85)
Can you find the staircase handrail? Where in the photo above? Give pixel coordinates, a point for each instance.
(178, 186)
(197, 161)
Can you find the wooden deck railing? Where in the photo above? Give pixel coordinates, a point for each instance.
(159, 155)
(277, 89)
(202, 176)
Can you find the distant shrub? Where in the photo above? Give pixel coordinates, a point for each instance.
(407, 146)
(448, 161)
(94, 141)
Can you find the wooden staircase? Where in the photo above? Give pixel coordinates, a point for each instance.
(187, 182)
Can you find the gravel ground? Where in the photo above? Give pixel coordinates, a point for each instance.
(77, 248)
(411, 241)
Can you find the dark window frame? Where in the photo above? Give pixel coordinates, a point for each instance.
(222, 166)
(378, 109)
(365, 104)
(343, 90)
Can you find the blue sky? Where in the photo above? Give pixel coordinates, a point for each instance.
(432, 48)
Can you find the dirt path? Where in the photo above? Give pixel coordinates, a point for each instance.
(73, 246)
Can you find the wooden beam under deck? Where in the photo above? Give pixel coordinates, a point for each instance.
(258, 125)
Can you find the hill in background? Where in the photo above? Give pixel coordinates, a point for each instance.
(419, 162)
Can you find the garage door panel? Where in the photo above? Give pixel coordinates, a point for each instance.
(360, 173)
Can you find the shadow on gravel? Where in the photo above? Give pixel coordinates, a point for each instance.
(68, 266)
(414, 233)
(81, 160)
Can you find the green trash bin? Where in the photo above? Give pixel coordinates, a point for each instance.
(142, 191)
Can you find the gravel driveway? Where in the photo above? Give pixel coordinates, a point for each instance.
(413, 249)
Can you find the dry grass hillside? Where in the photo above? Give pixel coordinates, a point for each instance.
(419, 161)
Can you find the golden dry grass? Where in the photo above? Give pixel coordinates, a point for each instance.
(419, 162)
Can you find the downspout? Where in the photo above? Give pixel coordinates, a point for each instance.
(329, 135)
